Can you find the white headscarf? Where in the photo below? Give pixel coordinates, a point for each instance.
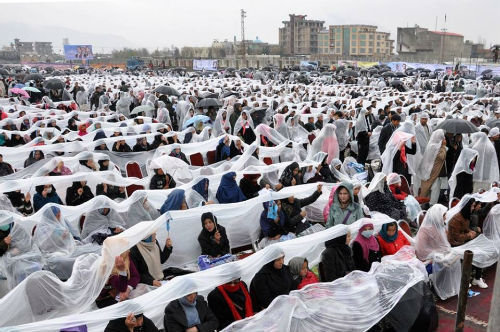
(462, 165)
(430, 154)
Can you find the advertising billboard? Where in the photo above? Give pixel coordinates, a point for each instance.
(205, 65)
(78, 52)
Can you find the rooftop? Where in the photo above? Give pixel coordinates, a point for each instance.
(447, 33)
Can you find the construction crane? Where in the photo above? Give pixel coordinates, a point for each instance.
(243, 48)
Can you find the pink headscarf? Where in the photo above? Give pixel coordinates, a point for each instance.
(367, 244)
(326, 209)
(330, 146)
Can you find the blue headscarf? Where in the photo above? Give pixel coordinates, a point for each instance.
(99, 135)
(272, 210)
(200, 188)
(173, 201)
(228, 191)
(383, 232)
(55, 210)
(225, 151)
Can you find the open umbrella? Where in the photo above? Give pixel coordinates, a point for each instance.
(400, 74)
(142, 109)
(351, 73)
(396, 83)
(18, 91)
(30, 88)
(54, 84)
(208, 102)
(195, 120)
(457, 126)
(209, 95)
(19, 86)
(388, 74)
(486, 72)
(167, 90)
(4, 72)
(33, 77)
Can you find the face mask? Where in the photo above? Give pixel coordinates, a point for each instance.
(49, 190)
(367, 233)
(5, 227)
(149, 239)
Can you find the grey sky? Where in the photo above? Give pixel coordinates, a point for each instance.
(156, 23)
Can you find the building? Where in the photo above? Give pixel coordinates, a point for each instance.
(423, 45)
(43, 48)
(360, 41)
(324, 42)
(33, 48)
(299, 36)
(23, 47)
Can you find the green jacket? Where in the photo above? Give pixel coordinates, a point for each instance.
(337, 214)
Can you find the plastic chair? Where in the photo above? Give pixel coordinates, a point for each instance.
(196, 159)
(133, 170)
(405, 187)
(267, 161)
(405, 227)
(211, 157)
(311, 138)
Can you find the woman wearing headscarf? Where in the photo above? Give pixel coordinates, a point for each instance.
(249, 186)
(141, 210)
(82, 130)
(272, 280)
(148, 257)
(291, 175)
(101, 223)
(161, 180)
(228, 191)
(212, 239)
(433, 167)
(395, 156)
(487, 168)
(33, 157)
(390, 239)
(365, 248)
(78, 193)
(15, 140)
(72, 125)
(123, 279)
(362, 133)
(381, 199)
(176, 200)
(461, 181)
(53, 234)
(45, 194)
(223, 150)
(344, 210)
(60, 169)
(21, 202)
(301, 274)
(110, 191)
(121, 146)
(141, 145)
(200, 194)
(244, 128)
(294, 213)
(132, 322)
(337, 258)
(460, 232)
(189, 314)
(177, 153)
(273, 224)
(230, 302)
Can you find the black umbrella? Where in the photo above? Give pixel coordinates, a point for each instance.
(352, 73)
(400, 74)
(167, 90)
(496, 78)
(54, 84)
(486, 72)
(457, 126)
(493, 123)
(388, 74)
(208, 102)
(209, 95)
(396, 83)
(230, 69)
(33, 77)
(4, 72)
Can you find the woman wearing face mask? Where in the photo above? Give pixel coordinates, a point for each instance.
(212, 239)
(45, 194)
(365, 248)
(148, 256)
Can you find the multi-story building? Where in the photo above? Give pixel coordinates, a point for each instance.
(299, 36)
(421, 44)
(359, 40)
(43, 48)
(33, 48)
(324, 42)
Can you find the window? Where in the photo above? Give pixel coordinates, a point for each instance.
(337, 50)
(353, 43)
(354, 36)
(362, 36)
(353, 29)
(370, 43)
(378, 50)
(370, 50)
(337, 43)
(353, 50)
(362, 50)
(339, 30)
(371, 36)
(362, 43)
(378, 43)
(378, 37)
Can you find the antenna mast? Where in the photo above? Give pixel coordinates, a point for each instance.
(243, 48)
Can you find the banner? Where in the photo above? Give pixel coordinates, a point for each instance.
(78, 52)
(478, 69)
(307, 64)
(204, 64)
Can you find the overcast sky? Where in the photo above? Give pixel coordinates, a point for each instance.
(161, 23)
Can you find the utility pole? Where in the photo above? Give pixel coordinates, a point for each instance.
(243, 48)
(443, 38)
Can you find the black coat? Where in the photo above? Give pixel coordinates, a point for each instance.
(5, 169)
(292, 211)
(118, 325)
(465, 183)
(175, 319)
(72, 196)
(3, 246)
(385, 134)
(209, 246)
(220, 308)
(249, 188)
(112, 192)
(337, 259)
(360, 262)
(142, 267)
(268, 284)
(398, 166)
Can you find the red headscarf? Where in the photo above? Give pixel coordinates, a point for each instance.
(234, 288)
(367, 244)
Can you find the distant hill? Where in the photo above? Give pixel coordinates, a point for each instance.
(56, 34)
